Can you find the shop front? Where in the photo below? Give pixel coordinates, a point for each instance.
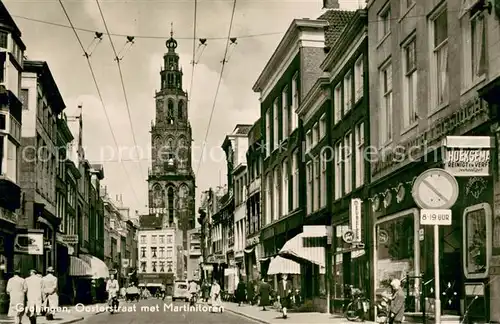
(48, 223)
(252, 255)
(215, 265)
(154, 281)
(404, 248)
(8, 221)
(63, 264)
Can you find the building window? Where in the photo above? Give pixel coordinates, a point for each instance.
(153, 252)
(162, 239)
(295, 180)
(284, 189)
(440, 58)
(348, 163)
(474, 49)
(410, 84)
(143, 252)
(3, 122)
(153, 265)
(322, 126)
(4, 39)
(170, 202)
(358, 79)
(162, 266)
(348, 85)
(12, 158)
(276, 193)
(143, 266)
(295, 101)
(162, 252)
(268, 132)
(309, 140)
(143, 239)
(153, 239)
(360, 154)
(337, 107)
(170, 253)
(323, 189)
(276, 124)
(169, 239)
(317, 184)
(268, 199)
(24, 98)
(385, 119)
(285, 113)
(309, 170)
(316, 136)
(385, 22)
(338, 170)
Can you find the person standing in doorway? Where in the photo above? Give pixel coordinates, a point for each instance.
(398, 303)
(33, 287)
(264, 292)
(51, 299)
(284, 291)
(16, 291)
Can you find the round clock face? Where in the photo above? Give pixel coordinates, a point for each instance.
(435, 190)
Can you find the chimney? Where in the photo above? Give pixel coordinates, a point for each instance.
(331, 4)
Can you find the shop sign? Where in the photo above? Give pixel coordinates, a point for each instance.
(468, 156)
(348, 236)
(383, 236)
(355, 218)
(207, 267)
(216, 258)
(29, 244)
(70, 239)
(252, 241)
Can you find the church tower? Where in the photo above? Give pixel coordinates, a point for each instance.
(171, 179)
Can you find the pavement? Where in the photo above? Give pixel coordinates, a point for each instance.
(272, 316)
(66, 315)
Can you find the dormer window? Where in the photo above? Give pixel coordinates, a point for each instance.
(3, 122)
(4, 36)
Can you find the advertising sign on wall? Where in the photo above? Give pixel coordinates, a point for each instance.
(29, 244)
(468, 156)
(355, 218)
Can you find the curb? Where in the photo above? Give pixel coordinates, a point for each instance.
(241, 314)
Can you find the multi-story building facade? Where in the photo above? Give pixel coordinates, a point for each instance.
(157, 255)
(96, 212)
(430, 59)
(39, 135)
(11, 61)
(235, 146)
(254, 201)
(171, 179)
(288, 76)
(194, 256)
(347, 170)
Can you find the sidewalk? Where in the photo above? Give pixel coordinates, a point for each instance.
(272, 316)
(71, 314)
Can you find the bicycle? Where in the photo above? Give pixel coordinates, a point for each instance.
(358, 307)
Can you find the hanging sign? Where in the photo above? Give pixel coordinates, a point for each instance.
(29, 244)
(468, 156)
(355, 219)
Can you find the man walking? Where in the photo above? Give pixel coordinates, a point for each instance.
(284, 292)
(51, 299)
(33, 287)
(16, 291)
(264, 293)
(398, 303)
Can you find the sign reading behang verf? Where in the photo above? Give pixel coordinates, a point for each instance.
(468, 156)
(355, 219)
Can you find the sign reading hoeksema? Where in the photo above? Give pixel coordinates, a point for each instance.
(355, 218)
(468, 156)
(435, 217)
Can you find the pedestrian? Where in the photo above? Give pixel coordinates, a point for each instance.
(112, 288)
(250, 291)
(163, 291)
(398, 303)
(241, 293)
(215, 296)
(264, 292)
(51, 299)
(284, 294)
(16, 291)
(33, 287)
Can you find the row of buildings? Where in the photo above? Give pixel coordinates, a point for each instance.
(354, 106)
(54, 211)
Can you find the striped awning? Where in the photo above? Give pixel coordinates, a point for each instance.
(279, 265)
(302, 248)
(79, 268)
(99, 269)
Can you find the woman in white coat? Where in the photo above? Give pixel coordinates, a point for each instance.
(17, 293)
(33, 287)
(215, 297)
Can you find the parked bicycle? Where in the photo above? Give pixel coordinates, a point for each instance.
(358, 307)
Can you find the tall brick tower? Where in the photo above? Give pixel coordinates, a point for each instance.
(171, 179)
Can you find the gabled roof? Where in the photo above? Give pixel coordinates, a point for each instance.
(337, 20)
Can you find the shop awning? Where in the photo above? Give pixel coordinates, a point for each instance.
(99, 268)
(305, 248)
(250, 250)
(78, 267)
(279, 265)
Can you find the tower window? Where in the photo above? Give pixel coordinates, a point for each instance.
(170, 111)
(170, 199)
(180, 109)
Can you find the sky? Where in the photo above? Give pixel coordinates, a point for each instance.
(258, 26)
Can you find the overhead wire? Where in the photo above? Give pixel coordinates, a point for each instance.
(193, 62)
(87, 57)
(117, 59)
(224, 61)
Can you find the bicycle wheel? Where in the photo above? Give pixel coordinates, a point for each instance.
(352, 312)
